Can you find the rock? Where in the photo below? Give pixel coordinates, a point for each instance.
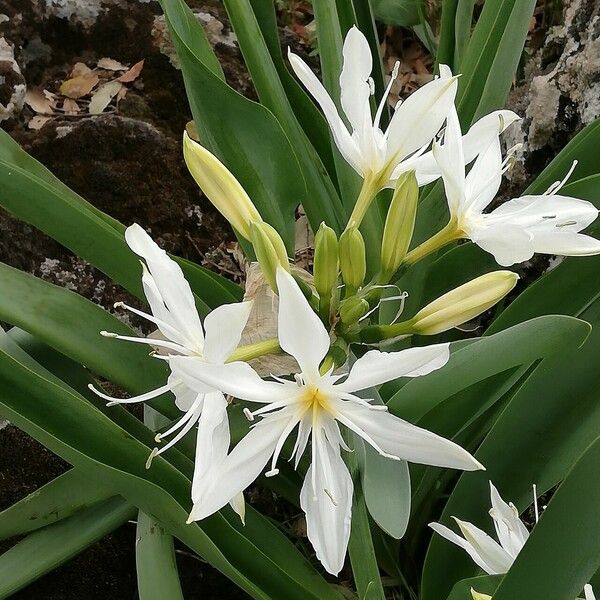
(12, 83)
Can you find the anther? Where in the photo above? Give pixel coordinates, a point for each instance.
(248, 414)
(151, 457)
(272, 473)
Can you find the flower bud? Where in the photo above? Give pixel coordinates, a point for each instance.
(353, 262)
(462, 304)
(326, 262)
(220, 186)
(352, 309)
(270, 251)
(399, 224)
(479, 596)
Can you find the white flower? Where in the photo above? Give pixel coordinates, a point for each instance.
(493, 557)
(174, 313)
(589, 592)
(317, 404)
(513, 232)
(370, 151)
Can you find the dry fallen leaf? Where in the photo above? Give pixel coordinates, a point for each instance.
(38, 122)
(80, 69)
(103, 95)
(39, 102)
(70, 107)
(79, 86)
(111, 65)
(133, 73)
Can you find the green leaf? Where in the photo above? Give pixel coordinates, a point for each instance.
(484, 584)
(244, 135)
(565, 540)
(46, 549)
(487, 356)
(398, 12)
(156, 567)
(31, 193)
(60, 498)
(550, 420)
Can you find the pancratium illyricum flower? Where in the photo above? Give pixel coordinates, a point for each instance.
(548, 223)
(493, 557)
(317, 403)
(181, 334)
(372, 152)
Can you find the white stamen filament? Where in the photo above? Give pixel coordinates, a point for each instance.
(557, 185)
(173, 333)
(141, 398)
(384, 98)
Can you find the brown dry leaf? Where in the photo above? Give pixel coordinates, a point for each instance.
(39, 102)
(122, 93)
(38, 122)
(79, 86)
(133, 73)
(70, 107)
(111, 65)
(103, 95)
(80, 69)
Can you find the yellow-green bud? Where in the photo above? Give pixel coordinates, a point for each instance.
(352, 309)
(353, 262)
(270, 251)
(399, 224)
(462, 304)
(479, 596)
(220, 186)
(326, 262)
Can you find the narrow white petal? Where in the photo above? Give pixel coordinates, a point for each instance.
(341, 135)
(301, 333)
(484, 178)
(184, 396)
(173, 289)
(509, 244)
(494, 555)
(511, 532)
(566, 243)
(326, 499)
(240, 468)
(375, 367)
(589, 592)
(483, 131)
(401, 439)
(447, 533)
(224, 326)
(418, 119)
(238, 379)
(239, 506)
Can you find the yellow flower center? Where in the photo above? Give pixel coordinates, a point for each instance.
(316, 400)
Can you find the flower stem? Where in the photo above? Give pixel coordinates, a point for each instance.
(448, 234)
(246, 353)
(368, 191)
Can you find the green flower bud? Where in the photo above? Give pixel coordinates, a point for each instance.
(270, 251)
(353, 262)
(326, 262)
(352, 309)
(220, 186)
(399, 224)
(462, 304)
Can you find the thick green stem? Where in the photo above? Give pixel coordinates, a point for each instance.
(246, 353)
(370, 188)
(448, 234)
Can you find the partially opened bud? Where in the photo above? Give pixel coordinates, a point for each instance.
(326, 262)
(353, 262)
(399, 224)
(462, 304)
(270, 251)
(220, 186)
(479, 596)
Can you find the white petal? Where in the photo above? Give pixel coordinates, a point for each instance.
(326, 499)
(484, 178)
(509, 244)
(238, 379)
(451, 163)
(511, 532)
(459, 541)
(375, 367)
(589, 592)
(224, 326)
(401, 439)
(301, 333)
(167, 286)
(566, 243)
(354, 88)
(341, 135)
(239, 506)
(418, 119)
(184, 396)
(492, 553)
(240, 468)
(483, 131)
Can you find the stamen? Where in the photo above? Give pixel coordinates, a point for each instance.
(173, 333)
(151, 457)
(557, 185)
(141, 398)
(384, 98)
(535, 504)
(248, 414)
(330, 496)
(549, 217)
(565, 224)
(371, 85)
(272, 473)
(150, 341)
